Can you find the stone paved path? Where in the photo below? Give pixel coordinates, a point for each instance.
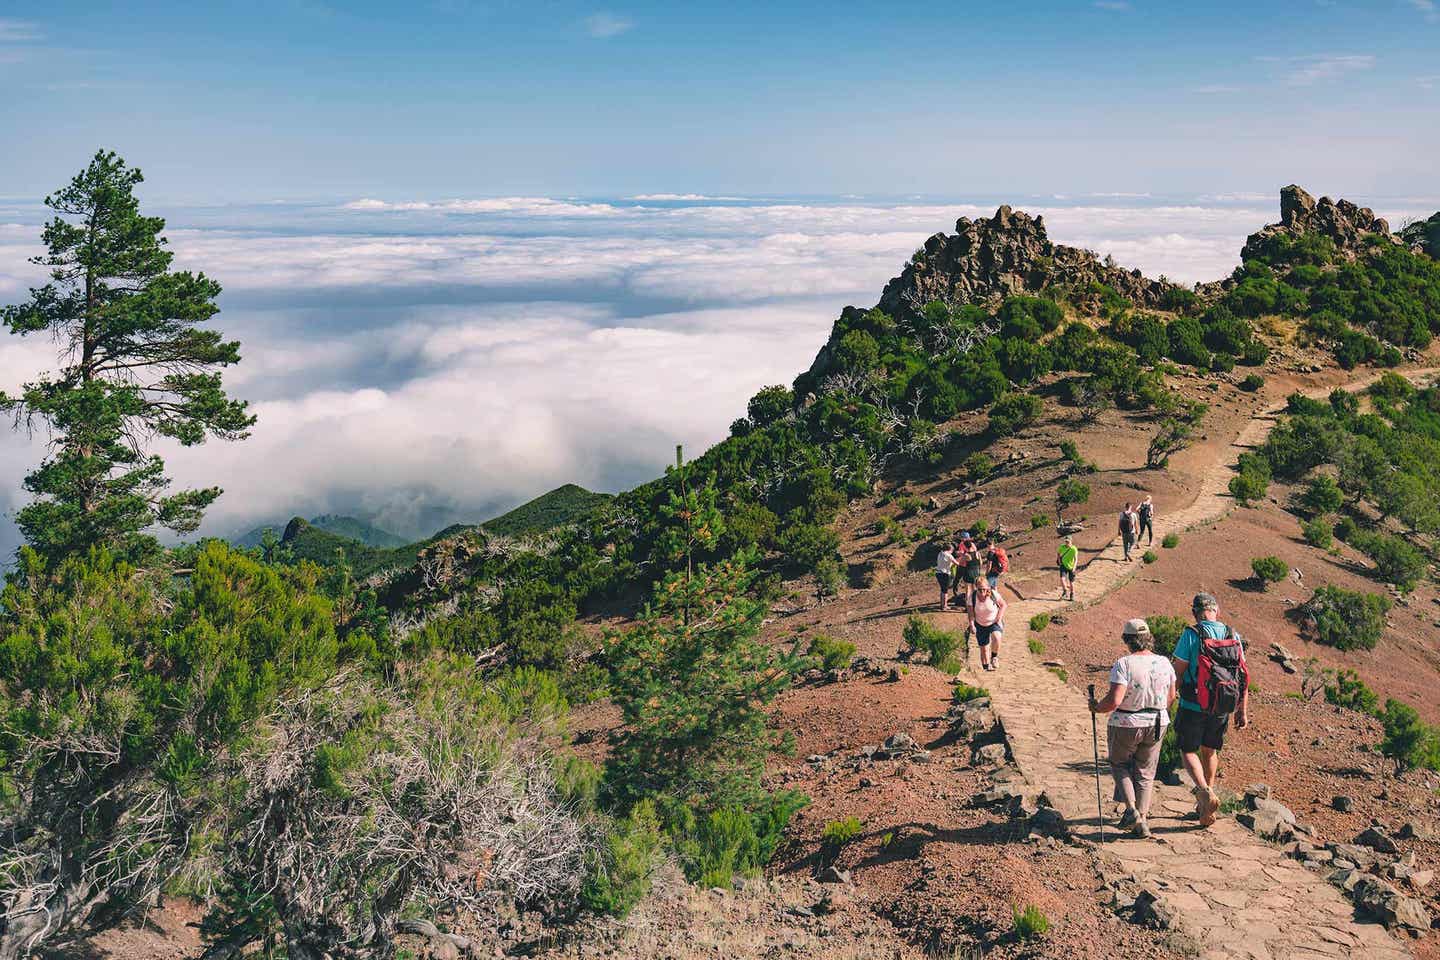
(1261, 905)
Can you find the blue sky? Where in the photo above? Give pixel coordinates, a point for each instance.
(230, 102)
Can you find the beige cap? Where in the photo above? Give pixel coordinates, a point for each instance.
(1135, 628)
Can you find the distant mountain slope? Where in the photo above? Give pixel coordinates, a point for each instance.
(350, 527)
(549, 510)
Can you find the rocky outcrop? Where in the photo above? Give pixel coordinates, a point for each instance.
(1423, 236)
(1350, 227)
(986, 260)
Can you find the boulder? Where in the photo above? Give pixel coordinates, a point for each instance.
(833, 874)
(1378, 840)
(1412, 830)
(991, 753)
(1151, 908)
(1343, 804)
(1049, 822)
(1389, 906)
(1420, 879)
(1362, 857)
(1256, 791)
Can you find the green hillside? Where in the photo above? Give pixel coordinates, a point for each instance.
(352, 528)
(557, 508)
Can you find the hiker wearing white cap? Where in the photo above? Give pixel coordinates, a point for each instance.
(1214, 683)
(1142, 687)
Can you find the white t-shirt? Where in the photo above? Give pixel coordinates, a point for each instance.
(946, 563)
(1148, 678)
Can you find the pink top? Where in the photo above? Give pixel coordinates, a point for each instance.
(987, 611)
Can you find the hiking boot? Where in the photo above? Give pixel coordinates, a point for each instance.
(1141, 830)
(1128, 819)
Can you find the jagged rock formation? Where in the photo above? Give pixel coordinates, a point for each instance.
(1343, 222)
(1423, 236)
(985, 261)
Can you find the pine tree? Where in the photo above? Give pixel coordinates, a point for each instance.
(135, 364)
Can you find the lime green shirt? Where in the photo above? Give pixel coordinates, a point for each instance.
(1068, 555)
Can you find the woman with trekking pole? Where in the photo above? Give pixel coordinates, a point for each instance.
(1142, 688)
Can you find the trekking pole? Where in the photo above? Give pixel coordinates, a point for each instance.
(1095, 743)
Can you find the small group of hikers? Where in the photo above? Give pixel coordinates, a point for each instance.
(969, 572)
(1213, 684)
(1136, 519)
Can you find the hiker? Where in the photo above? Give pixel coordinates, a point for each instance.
(1142, 687)
(973, 569)
(987, 618)
(1068, 556)
(944, 572)
(1214, 683)
(997, 562)
(1147, 521)
(1128, 529)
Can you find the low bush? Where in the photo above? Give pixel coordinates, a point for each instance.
(1409, 741)
(1345, 619)
(832, 652)
(1166, 631)
(910, 505)
(1247, 488)
(938, 645)
(1252, 382)
(1345, 689)
(1030, 923)
(1171, 541)
(1322, 495)
(618, 876)
(1346, 528)
(1014, 412)
(1036, 645)
(1039, 521)
(1060, 672)
(1149, 556)
(1269, 570)
(978, 466)
(837, 833)
(1396, 560)
(964, 693)
(1039, 622)
(1318, 532)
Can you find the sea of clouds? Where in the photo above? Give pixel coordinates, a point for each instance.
(422, 362)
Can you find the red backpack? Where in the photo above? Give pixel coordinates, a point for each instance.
(999, 560)
(1221, 676)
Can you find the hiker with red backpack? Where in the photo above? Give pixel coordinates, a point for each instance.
(997, 562)
(1209, 657)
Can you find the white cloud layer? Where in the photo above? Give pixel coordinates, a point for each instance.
(403, 362)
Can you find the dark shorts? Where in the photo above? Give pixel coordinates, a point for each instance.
(1067, 575)
(983, 633)
(943, 579)
(1194, 730)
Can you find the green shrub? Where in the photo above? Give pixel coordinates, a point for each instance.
(620, 870)
(837, 833)
(1166, 630)
(1345, 619)
(1014, 412)
(1410, 742)
(1252, 383)
(832, 652)
(1247, 488)
(1036, 645)
(1149, 556)
(1345, 529)
(910, 505)
(964, 693)
(938, 645)
(1318, 532)
(978, 466)
(1170, 541)
(1396, 560)
(1030, 923)
(1345, 689)
(1060, 672)
(979, 529)
(1039, 622)
(1322, 495)
(1269, 570)
(1038, 521)
(1068, 493)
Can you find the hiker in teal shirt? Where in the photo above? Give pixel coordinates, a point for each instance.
(1201, 735)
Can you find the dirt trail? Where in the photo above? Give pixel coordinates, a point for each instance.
(1241, 897)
